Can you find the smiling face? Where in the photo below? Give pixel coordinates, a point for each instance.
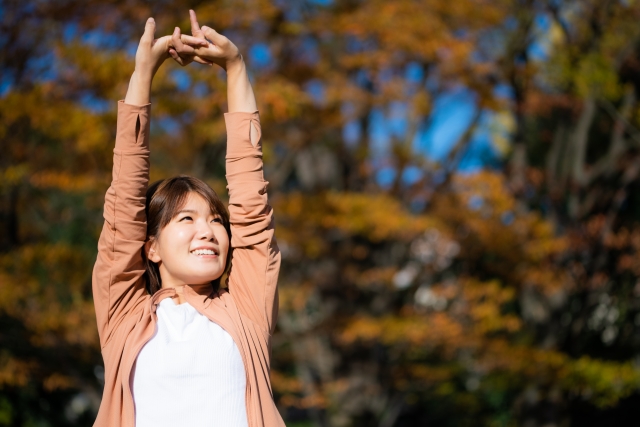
(192, 248)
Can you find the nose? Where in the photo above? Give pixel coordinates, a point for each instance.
(206, 233)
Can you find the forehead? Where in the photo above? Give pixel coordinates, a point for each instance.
(196, 203)
(194, 199)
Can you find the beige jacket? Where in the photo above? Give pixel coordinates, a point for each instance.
(126, 312)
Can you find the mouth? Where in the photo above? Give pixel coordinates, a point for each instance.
(205, 253)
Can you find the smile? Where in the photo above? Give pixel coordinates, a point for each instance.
(201, 252)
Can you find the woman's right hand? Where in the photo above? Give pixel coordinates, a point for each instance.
(217, 48)
(153, 52)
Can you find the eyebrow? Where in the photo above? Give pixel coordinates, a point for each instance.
(195, 212)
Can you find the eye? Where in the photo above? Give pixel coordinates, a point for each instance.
(219, 220)
(185, 217)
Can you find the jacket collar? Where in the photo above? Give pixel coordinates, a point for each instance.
(203, 293)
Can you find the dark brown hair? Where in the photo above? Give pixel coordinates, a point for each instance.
(164, 199)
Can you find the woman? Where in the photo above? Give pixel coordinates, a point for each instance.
(178, 350)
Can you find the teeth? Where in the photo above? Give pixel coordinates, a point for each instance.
(203, 252)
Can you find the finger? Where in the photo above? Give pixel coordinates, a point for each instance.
(193, 41)
(180, 59)
(177, 44)
(164, 42)
(149, 30)
(195, 27)
(201, 61)
(175, 56)
(213, 35)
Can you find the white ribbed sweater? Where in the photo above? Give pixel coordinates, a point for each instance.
(189, 374)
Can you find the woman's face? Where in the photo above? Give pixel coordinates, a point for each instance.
(192, 249)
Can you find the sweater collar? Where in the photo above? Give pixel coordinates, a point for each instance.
(191, 292)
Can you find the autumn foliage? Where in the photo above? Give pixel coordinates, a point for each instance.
(499, 296)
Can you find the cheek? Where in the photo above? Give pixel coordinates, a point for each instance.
(174, 240)
(182, 236)
(177, 236)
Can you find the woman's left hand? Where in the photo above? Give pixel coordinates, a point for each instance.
(150, 55)
(217, 49)
(183, 53)
(152, 52)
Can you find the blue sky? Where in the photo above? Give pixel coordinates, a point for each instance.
(452, 111)
(452, 114)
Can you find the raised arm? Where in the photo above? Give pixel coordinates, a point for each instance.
(118, 288)
(255, 258)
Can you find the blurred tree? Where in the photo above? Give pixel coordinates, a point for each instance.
(505, 297)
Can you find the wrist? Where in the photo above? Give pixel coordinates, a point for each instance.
(234, 64)
(143, 76)
(139, 88)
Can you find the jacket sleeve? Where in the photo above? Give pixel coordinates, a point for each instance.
(118, 287)
(255, 261)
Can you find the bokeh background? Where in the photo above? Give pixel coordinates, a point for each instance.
(456, 187)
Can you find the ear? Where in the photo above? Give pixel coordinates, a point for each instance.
(150, 250)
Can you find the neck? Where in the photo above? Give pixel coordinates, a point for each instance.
(202, 289)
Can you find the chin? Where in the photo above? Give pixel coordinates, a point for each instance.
(201, 279)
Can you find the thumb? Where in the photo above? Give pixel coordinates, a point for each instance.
(149, 30)
(212, 34)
